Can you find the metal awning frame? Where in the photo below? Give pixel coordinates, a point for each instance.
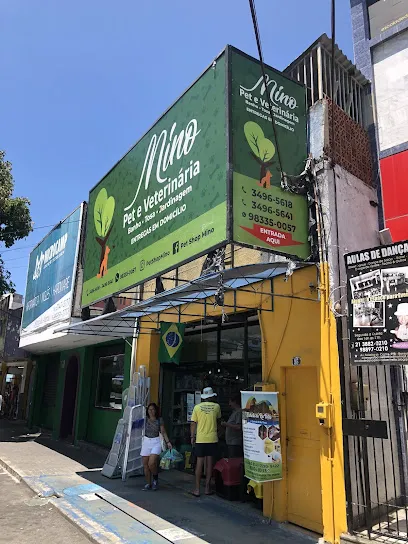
(126, 323)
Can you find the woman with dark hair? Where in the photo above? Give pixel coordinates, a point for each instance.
(151, 446)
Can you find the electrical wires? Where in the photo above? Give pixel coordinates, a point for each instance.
(265, 79)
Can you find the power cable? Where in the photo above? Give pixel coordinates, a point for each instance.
(16, 248)
(15, 258)
(265, 80)
(4, 229)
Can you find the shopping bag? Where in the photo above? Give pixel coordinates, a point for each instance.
(170, 459)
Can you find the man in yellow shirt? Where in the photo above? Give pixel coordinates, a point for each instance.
(204, 437)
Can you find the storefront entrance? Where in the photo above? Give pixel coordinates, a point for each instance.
(226, 357)
(69, 401)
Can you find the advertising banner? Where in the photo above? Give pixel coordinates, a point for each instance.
(261, 432)
(165, 202)
(51, 276)
(263, 214)
(377, 288)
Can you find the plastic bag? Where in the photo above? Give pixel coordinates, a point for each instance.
(170, 459)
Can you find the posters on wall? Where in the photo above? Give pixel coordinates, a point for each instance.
(265, 215)
(51, 276)
(205, 174)
(378, 304)
(261, 433)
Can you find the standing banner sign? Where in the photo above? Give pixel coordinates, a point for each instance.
(377, 289)
(261, 433)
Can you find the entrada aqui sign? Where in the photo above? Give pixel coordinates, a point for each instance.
(204, 175)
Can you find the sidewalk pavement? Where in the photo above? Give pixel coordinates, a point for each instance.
(112, 511)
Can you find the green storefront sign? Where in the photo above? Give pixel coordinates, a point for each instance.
(265, 215)
(187, 186)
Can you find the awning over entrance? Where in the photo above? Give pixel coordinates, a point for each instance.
(121, 324)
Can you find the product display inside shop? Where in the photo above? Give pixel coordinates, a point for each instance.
(226, 357)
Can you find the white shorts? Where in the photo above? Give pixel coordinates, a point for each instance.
(151, 446)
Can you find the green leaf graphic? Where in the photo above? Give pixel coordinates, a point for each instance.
(267, 150)
(254, 134)
(108, 212)
(103, 212)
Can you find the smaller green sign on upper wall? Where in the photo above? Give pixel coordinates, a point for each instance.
(264, 215)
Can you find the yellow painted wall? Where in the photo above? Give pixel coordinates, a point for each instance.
(300, 325)
(291, 330)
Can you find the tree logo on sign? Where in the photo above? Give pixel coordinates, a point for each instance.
(262, 150)
(103, 217)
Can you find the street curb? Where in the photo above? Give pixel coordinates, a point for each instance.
(11, 470)
(91, 529)
(162, 527)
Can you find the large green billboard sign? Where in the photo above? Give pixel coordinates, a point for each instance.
(186, 186)
(264, 215)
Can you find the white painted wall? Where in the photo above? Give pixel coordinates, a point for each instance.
(390, 65)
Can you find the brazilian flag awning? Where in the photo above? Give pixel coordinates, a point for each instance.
(171, 342)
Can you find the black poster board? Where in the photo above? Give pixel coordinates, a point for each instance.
(377, 291)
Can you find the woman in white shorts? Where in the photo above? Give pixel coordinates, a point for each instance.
(151, 446)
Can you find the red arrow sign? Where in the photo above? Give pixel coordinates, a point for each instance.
(273, 237)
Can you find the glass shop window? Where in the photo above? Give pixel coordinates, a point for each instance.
(232, 344)
(200, 347)
(254, 355)
(110, 382)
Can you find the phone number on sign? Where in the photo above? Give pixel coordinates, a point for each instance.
(371, 346)
(271, 198)
(269, 209)
(269, 222)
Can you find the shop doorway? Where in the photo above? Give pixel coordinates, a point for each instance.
(224, 356)
(303, 449)
(69, 400)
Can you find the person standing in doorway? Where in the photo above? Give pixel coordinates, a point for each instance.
(151, 446)
(204, 437)
(233, 428)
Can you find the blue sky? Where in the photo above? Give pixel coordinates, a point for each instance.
(82, 81)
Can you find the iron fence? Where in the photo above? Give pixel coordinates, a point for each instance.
(375, 425)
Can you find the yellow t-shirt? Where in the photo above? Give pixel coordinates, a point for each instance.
(206, 415)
